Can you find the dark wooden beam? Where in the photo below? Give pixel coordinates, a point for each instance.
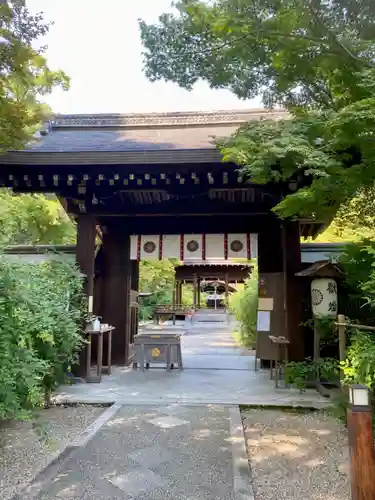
(116, 274)
(279, 258)
(85, 256)
(212, 272)
(186, 209)
(134, 285)
(293, 289)
(207, 224)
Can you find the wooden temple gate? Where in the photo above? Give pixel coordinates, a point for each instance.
(126, 179)
(198, 272)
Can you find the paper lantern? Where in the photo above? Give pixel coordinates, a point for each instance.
(324, 297)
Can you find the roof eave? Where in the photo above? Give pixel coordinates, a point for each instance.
(171, 156)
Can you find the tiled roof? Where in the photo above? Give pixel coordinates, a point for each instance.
(145, 139)
(316, 252)
(321, 268)
(142, 132)
(134, 138)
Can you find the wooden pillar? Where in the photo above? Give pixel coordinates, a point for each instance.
(279, 258)
(134, 285)
(342, 341)
(293, 294)
(362, 456)
(199, 293)
(116, 291)
(226, 278)
(195, 282)
(178, 292)
(85, 253)
(85, 257)
(97, 284)
(175, 290)
(174, 297)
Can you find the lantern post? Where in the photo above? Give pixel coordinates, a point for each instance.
(361, 443)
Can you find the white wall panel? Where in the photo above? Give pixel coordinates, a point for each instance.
(254, 246)
(171, 246)
(214, 246)
(150, 247)
(133, 246)
(193, 246)
(237, 246)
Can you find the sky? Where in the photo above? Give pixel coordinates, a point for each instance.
(97, 43)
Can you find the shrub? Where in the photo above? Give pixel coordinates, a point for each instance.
(359, 366)
(358, 262)
(300, 373)
(40, 330)
(244, 304)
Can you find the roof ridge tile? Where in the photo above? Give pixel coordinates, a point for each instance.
(169, 119)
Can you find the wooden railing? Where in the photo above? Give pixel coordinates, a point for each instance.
(165, 311)
(170, 308)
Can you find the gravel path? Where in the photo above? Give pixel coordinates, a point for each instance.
(297, 456)
(26, 449)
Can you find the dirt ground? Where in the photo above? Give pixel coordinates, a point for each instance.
(297, 456)
(26, 448)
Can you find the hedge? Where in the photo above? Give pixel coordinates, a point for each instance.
(40, 330)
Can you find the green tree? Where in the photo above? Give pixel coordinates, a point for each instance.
(314, 57)
(345, 230)
(25, 75)
(329, 153)
(358, 262)
(33, 219)
(158, 278)
(40, 330)
(289, 51)
(244, 305)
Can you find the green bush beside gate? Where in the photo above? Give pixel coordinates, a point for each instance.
(40, 322)
(244, 304)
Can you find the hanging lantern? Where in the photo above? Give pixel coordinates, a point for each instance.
(324, 297)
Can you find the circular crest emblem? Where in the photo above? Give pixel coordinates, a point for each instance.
(236, 246)
(149, 247)
(316, 297)
(192, 245)
(155, 352)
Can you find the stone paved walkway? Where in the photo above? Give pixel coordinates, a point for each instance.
(170, 452)
(171, 434)
(216, 371)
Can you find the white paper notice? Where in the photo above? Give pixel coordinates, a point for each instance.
(90, 304)
(264, 321)
(265, 304)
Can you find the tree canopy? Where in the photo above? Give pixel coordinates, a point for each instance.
(31, 219)
(25, 78)
(25, 75)
(316, 58)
